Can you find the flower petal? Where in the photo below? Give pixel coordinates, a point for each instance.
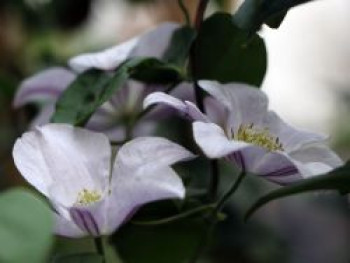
(150, 44)
(43, 116)
(45, 85)
(149, 151)
(213, 140)
(155, 42)
(273, 166)
(67, 228)
(245, 103)
(291, 138)
(312, 153)
(141, 174)
(136, 187)
(187, 109)
(108, 59)
(66, 158)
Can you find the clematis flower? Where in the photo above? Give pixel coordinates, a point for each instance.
(46, 86)
(239, 127)
(92, 194)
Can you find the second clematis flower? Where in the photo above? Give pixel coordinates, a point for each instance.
(92, 194)
(45, 87)
(239, 127)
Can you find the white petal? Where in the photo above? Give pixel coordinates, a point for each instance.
(317, 153)
(246, 104)
(150, 44)
(309, 170)
(141, 174)
(187, 109)
(213, 140)
(154, 43)
(163, 98)
(65, 158)
(291, 138)
(216, 112)
(149, 151)
(108, 59)
(133, 188)
(45, 85)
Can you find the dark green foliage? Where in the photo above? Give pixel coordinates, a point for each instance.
(253, 13)
(226, 53)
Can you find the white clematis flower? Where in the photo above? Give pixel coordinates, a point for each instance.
(239, 127)
(46, 86)
(90, 193)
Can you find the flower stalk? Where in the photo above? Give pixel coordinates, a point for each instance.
(100, 248)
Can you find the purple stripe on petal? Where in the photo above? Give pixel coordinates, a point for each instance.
(79, 220)
(93, 223)
(285, 171)
(85, 220)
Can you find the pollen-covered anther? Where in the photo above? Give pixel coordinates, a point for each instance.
(257, 136)
(86, 197)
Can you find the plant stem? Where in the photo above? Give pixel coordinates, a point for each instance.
(185, 12)
(175, 218)
(202, 6)
(214, 180)
(194, 68)
(100, 248)
(214, 217)
(230, 192)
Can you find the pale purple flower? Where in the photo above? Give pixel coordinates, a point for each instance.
(91, 193)
(239, 127)
(46, 86)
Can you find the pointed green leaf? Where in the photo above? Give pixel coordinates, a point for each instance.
(26, 227)
(338, 179)
(180, 45)
(94, 87)
(226, 54)
(253, 13)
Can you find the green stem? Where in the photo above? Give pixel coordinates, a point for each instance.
(185, 12)
(176, 217)
(100, 247)
(214, 180)
(214, 217)
(230, 192)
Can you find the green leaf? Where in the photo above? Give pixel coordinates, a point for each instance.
(154, 71)
(172, 243)
(94, 87)
(224, 52)
(180, 46)
(79, 258)
(253, 13)
(26, 227)
(338, 179)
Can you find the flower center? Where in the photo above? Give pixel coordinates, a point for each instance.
(86, 197)
(258, 136)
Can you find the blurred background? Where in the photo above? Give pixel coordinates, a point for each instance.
(308, 82)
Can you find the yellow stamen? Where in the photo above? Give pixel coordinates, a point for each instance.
(86, 197)
(258, 136)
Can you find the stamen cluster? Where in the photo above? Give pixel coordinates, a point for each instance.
(260, 137)
(86, 197)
